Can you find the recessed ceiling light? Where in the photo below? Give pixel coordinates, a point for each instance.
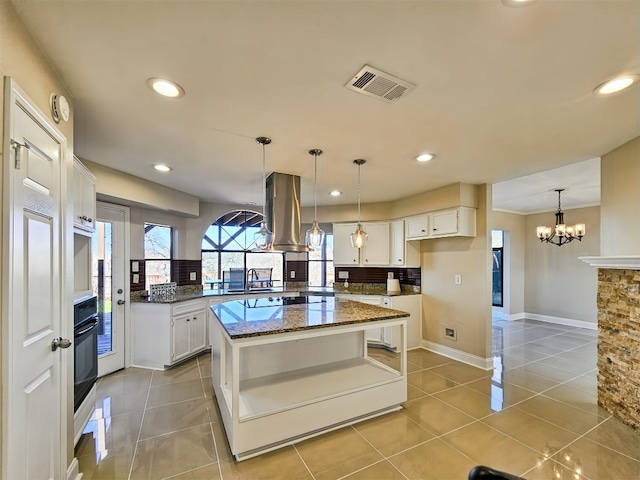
(617, 84)
(425, 157)
(335, 193)
(165, 87)
(162, 168)
(517, 3)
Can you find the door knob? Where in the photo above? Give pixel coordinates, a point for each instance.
(121, 302)
(60, 343)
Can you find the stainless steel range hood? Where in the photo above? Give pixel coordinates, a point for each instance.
(282, 212)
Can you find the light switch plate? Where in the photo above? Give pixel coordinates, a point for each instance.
(292, 274)
(135, 267)
(343, 275)
(136, 278)
(192, 276)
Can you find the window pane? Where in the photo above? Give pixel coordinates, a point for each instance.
(329, 240)
(157, 271)
(330, 275)
(210, 269)
(267, 260)
(157, 241)
(315, 254)
(209, 242)
(315, 274)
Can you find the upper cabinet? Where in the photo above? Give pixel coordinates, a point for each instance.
(375, 253)
(403, 253)
(343, 252)
(453, 222)
(84, 198)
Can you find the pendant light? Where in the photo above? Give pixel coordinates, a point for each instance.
(264, 237)
(359, 237)
(314, 238)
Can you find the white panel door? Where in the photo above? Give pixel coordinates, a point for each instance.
(33, 414)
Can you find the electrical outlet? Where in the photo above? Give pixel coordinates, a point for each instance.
(450, 333)
(292, 274)
(343, 275)
(458, 279)
(136, 278)
(192, 276)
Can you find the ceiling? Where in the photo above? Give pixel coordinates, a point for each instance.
(501, 92)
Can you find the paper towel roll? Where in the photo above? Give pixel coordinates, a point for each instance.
(393, 285)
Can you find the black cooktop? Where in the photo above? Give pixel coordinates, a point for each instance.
(279, 301)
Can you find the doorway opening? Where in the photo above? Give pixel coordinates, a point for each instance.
(497, 244)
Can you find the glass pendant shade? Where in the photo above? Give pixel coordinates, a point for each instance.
(314, 238)
(263, 239)
(359, 237)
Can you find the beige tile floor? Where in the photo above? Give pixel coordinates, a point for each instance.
(535, 415)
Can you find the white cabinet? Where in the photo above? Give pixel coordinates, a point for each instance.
(403, 253)
(390, 337)
(84, 198)
(343, 252)
(188, 333)
(164, 334)
(453, 222)
(418, 227)
(375, 253)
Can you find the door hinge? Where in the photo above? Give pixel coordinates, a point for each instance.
(18, 146)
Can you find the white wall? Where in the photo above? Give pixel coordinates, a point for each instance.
(557, 283)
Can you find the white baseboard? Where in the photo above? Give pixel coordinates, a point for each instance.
(515, 316)
(73, 472)
(562, 321)
(464, 357)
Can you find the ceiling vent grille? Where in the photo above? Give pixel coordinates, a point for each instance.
(375, 83)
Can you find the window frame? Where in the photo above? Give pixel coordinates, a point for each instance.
(149, 261)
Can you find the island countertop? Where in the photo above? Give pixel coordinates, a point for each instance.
(269, 316)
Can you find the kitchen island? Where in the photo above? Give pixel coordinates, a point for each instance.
(286, 369)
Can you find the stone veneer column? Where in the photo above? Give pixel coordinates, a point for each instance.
(619, 343)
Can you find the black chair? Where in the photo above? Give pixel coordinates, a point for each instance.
(485, 473)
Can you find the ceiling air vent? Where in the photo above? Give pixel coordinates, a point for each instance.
(375, 83)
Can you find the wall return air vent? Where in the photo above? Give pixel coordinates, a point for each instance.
(375, 83)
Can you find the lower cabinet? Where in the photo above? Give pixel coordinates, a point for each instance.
(389, 337)
(164, 334)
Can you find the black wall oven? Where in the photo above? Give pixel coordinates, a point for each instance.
(85, 333)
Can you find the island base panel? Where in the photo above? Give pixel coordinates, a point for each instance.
(259, 435)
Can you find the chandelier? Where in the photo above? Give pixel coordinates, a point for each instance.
(561, 233)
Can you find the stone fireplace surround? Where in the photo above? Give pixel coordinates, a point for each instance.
(619, 336)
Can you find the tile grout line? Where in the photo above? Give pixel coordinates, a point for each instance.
(303, 462)
(144, 411)
(213, 435)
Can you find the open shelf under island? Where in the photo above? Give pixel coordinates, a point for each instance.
(290, 368)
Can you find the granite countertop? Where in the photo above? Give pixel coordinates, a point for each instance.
(354, 289)
(257, 317)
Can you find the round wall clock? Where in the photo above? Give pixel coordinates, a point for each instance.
(59, 108)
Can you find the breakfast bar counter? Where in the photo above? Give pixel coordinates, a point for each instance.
(285, 369)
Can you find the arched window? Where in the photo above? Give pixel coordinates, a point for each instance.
(226, 249)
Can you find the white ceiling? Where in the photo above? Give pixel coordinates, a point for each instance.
(501, 92)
